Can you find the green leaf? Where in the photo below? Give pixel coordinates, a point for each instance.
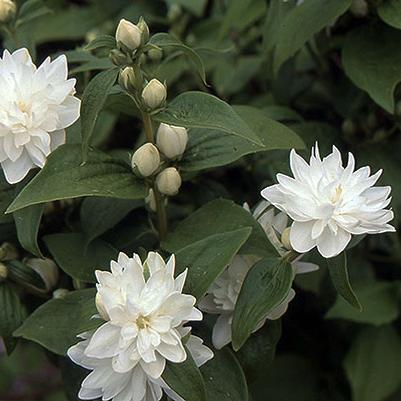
(56, 324)
(201, 110)
(65, 177)
(31, 10)
(196, 7)
(27, 222)
(101, 214)
(185, 379)
(93, 100)
(372, 60)
(379, 301)
(79, 261)
(224, 378)
(207, 258)
(12, 314)
(7, 195)
(212, 148)
(390, 12)
(373, 364)
(102, 41)
(165, 40)
(302, 23)
(217, 217)
(24, 275)
(266, 285)
(339, 275)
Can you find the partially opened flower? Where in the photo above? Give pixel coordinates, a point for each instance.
(223, 293)
(36, 105)
(328, 202)
(128, 353)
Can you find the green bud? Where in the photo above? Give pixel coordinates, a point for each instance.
(155, 54)
(126, 79)
(119, 58)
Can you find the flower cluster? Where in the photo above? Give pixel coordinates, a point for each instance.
(328, 203)
(143, 329)
(37, 104)
(223, 293)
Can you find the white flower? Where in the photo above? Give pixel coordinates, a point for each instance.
(36, 105)
(172, 140)
(328, 203)
(128, 353)
(223, 293)
(128, 34)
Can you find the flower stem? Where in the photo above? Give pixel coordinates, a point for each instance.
(160, 206)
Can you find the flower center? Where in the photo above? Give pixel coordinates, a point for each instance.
(337, 194)
(23, 106)
(143, 322)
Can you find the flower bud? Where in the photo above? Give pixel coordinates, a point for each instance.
(47, 270)
(285, 239)
(3, 272)
(172, 140)
(146, 159)
(128, 35)
(359, 8)
(169, 181)
(154, 94)
(127, 79)
(8, 9)
(8, 251)
(60, 293)
(150, 200)
(100, 307)
(119, 58)
(155, 54)
(143, 27)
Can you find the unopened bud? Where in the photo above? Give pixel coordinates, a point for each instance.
(154, 94)
(100, 307)
(128, 35)
(285, 239)
(60, 293)
(8, 9)
(46, 269)
(169, 181)
(155, 54)
(359, 8)
(146, 159)
(8, 251)
(143, 27)
(119, 58)
(127, 79)
(3, 272)
(172, 140)
(150, 201)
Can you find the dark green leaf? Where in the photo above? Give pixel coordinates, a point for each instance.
(100, 214)
(56, 324)
(64, 176)
(390, 12)
(212, 148)
(372, 60)
(219, 216)
(79, 261)
(12, 314)
(24, 275)
(27, 222)
(93, 100)
(201, 110)
(31, 10)
(207, 258)
(373, 364)
(379, 301)
(224, 378)
(266, 285)
(7, 194)
(302, 23)
(102, 41)
(339, 275)
(185, 379)
(163, 40)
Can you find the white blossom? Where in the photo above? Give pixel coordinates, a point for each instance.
(328, 203)
(223, 293)
(36, 105)
(144, 329)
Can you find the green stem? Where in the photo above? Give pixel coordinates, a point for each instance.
(160, 206)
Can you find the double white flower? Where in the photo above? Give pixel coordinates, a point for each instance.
(328, 203)
(144, 329)
(223, 293)
(36, 105)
